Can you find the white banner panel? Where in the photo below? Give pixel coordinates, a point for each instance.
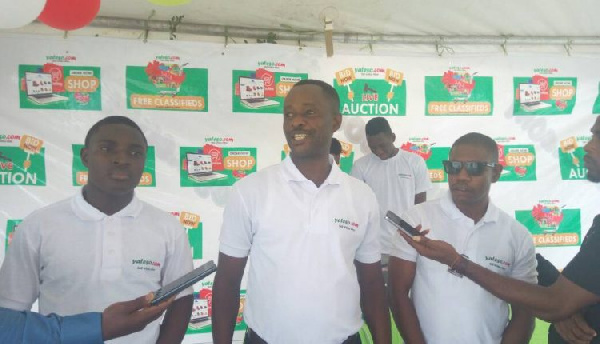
(194, 99)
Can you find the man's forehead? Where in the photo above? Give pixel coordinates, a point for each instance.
(112, 132)
(134, 142)
(305, 102)
(308, 90)
(111, 127)
(378, 137)
(469, 150)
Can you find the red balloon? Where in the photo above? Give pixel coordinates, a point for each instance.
(69, 15)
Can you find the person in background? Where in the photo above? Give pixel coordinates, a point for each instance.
(103, 245)
(399, 179)
(433, 305)
(336, 150)
(118, 319)
(309, 232)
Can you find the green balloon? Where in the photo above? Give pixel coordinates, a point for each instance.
(169, 2)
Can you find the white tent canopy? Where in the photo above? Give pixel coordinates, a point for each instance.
(439, 23)
(387, 17)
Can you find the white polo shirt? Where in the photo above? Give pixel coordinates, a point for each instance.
(453, 309)
(302, 242)
(77, 259)
(395, 182)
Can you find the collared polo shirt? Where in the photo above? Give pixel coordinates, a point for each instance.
(453, 309)
(395, 182)
(302, 241)
(78, 259)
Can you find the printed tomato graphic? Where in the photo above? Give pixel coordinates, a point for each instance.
(239, 174)
(520, 171)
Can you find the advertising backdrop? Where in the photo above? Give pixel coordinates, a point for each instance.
(213, 115)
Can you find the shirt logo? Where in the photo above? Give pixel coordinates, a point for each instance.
(145, 264)
(497, 262)
(346, 224)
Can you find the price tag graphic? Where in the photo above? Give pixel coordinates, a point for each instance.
(30, 145)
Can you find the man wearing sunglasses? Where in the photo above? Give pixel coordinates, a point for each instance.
(443, 307)
(575, 296)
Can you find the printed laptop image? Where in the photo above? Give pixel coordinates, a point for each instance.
(252, 93)
(529, 97)
(39, 88)
(200, 316)
(199, 168)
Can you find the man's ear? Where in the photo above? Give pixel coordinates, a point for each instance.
(83, 154)
(393, 137)
(496, 172)
(337, 121)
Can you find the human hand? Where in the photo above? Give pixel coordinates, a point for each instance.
(123, 318)
(437, 250)
(575, 330)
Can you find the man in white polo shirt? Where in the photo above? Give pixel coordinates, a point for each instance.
(399, 179)
(310, 232)
(445, 307)
(103, 245)
(570, 300)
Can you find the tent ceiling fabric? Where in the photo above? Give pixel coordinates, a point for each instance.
(383, 17)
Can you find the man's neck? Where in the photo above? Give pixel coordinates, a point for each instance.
(314, 169)
(474, 211)
(109, 204)
(393, 154)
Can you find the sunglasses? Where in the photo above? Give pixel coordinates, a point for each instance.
(474, 168)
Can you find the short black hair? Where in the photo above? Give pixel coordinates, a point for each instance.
(377, 125)
(112, 120)
(336, 147)
(478, 139)
(327, 89)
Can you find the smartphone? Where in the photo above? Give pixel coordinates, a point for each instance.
(401, 224)
(183, 282)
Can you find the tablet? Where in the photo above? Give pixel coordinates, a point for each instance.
(183, 282)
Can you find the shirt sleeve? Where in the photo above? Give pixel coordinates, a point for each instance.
(179, 258)
(399, 247)
(27, 327)
(583, 269)
(20, 272)
(422, 180)
(236, 231)
(525, 264)
(82, 328)
(369, 251)
(547, 272)
(357, 170)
